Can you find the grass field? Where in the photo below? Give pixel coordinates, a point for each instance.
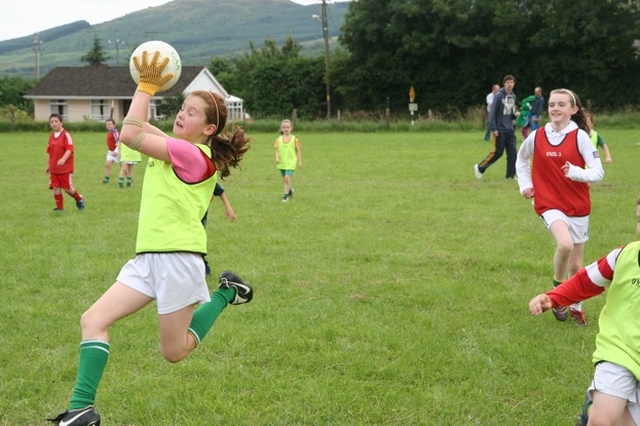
(393, 290)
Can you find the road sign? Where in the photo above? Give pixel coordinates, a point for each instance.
(412, 94)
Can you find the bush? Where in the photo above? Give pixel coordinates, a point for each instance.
(366, 122)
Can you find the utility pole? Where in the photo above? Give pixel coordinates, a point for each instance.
(118, 43)
(37, 45)
(325, 31)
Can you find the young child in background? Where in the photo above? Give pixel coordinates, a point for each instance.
(128, 158)
(168, 267)
(559, 181)
(597, 139)
(288, 154)
(612, 398)
(112, 148)
(60, 164)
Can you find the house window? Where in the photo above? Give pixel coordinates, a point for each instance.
(59, 106)
(100, 109)
(234, 110)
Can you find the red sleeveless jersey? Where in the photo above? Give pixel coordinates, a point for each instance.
(56, 149)
(112, 139)
(553, 190)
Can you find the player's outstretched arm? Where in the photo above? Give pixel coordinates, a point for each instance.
(134, 126)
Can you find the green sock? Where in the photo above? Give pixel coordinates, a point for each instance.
(206, 315)
(556, 283)
(106, 179)
(93, 359)
(129, 181)
(120, 182)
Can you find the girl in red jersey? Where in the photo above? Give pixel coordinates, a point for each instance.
(60, 165)
(559, 181)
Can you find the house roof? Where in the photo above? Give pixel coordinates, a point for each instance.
(102, 82)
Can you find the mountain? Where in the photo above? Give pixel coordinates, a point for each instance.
(198, 29)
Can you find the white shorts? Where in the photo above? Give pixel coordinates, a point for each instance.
(111, 156)
(175, 280)
(578, 226)
(616, 380)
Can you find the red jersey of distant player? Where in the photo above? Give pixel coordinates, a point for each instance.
(56, 149)
(112, 139)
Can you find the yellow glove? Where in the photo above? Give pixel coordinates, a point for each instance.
(150, 72)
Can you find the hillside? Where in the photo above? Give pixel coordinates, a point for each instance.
(198, 29)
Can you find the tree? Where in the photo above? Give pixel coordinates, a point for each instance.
(170, 105)
(224, 70)
(452, 51)
(273, 81)
(97, 55)
(12, 91)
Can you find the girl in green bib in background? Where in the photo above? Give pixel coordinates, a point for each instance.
(288, 154)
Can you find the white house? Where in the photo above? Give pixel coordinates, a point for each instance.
(97, 93)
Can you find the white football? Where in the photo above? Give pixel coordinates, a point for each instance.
(174, 66)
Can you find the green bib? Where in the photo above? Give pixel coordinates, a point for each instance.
(171, 210)
(619, 337)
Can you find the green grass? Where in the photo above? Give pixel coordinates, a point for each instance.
(393, 289)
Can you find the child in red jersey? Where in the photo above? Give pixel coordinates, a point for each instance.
(613, 395)
(60, 165)
(559, 181)
(112, 148)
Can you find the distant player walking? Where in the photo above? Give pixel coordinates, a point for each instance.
(112, 148)
(288, 154)
(60, 165)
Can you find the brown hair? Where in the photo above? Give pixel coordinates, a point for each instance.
(228, 146)
(587, 117)
(579, 117)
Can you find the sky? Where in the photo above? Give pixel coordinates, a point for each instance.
(26, 17)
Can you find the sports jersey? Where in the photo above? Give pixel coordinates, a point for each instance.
(596, 139)
(171, 208)
(288, 154)
(128, 155)
(549, 180)
(618, 340)
(56, 150)
(112, 139)
(541, 157)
